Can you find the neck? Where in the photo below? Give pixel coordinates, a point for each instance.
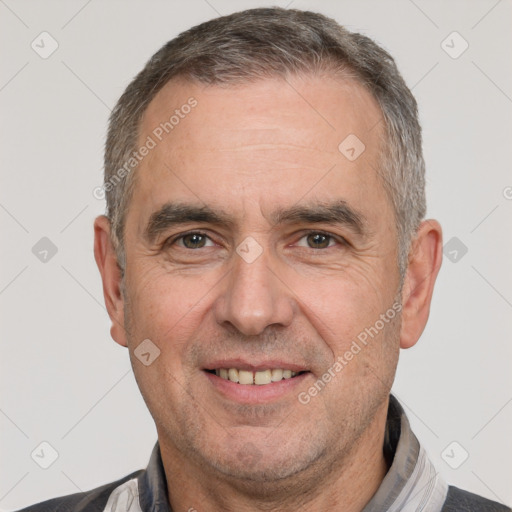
(340, 480)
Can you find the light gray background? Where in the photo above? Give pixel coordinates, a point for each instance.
(64, 380)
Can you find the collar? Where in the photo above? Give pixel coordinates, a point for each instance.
(412, 482)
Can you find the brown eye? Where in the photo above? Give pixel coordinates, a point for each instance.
(194, 240)
(318, 240)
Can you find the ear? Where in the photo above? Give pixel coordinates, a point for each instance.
(106, 259)
(425, 258)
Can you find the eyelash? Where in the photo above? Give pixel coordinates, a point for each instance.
(171, 241)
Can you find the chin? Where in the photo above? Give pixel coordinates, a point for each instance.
(263, 464)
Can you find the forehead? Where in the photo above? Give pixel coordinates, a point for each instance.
(270, 140)
(262, 110)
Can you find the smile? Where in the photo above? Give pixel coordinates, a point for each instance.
(259, 378)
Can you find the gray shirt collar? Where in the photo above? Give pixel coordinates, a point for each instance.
(412, 482)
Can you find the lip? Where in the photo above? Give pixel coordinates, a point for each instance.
(255, 394)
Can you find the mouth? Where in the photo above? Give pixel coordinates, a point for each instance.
(256, 385)
(256, 382)
(255, 378)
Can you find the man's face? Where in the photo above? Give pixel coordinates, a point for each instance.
(262, 277)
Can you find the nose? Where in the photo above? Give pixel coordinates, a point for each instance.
(254, 297)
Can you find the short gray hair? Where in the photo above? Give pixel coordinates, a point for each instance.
(274, 42)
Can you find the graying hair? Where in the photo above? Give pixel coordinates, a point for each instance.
(273, 42)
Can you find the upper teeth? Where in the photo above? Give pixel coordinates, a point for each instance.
(248, 377)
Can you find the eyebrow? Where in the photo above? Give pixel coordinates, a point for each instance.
(337, 212)
(173, 214)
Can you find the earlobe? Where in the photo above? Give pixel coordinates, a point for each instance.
(425, 260)
(106, 259)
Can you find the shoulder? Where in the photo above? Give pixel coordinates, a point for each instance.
(89, 501)
(459, 500)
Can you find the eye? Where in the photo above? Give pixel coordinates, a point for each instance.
(193, 240)
(317, 240)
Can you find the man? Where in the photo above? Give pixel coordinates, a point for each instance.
(264, 257)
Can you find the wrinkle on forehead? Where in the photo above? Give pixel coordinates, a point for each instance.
(272, 146)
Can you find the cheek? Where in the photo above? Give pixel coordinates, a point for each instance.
(166, 307)
(341, 307)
